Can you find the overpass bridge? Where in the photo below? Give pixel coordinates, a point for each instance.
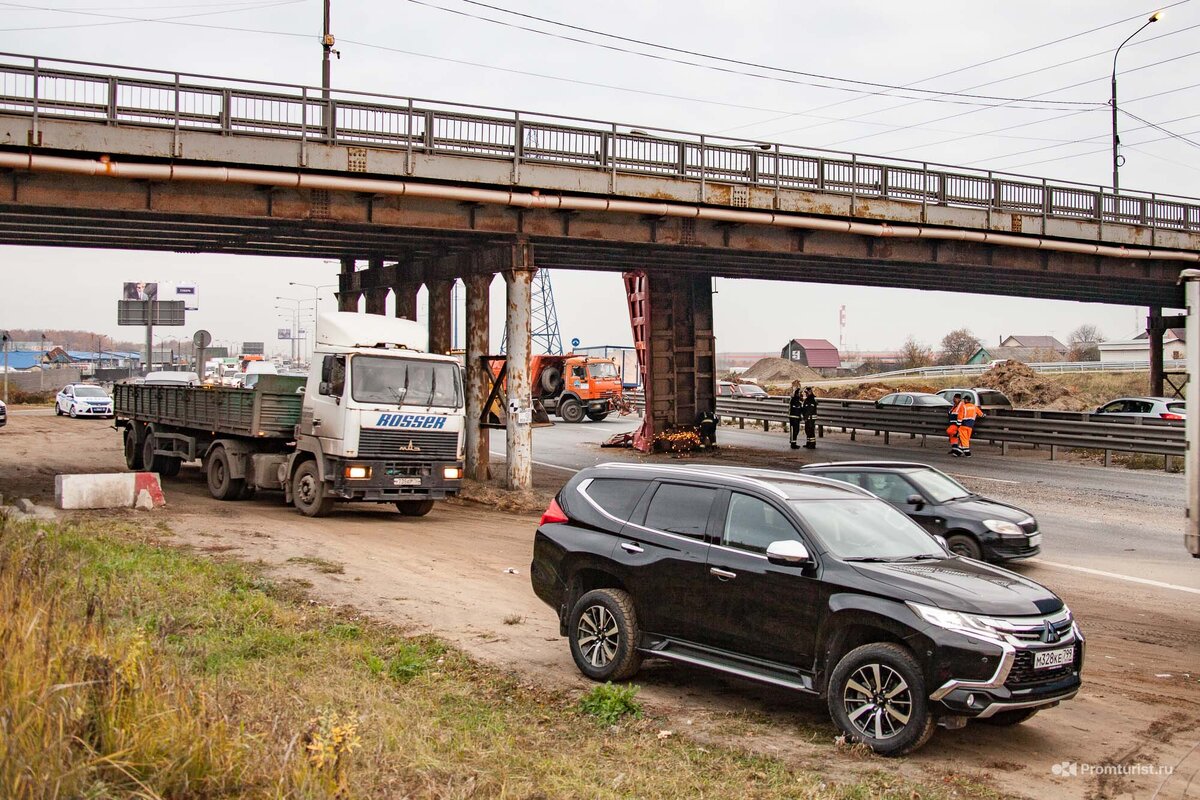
(408, 191)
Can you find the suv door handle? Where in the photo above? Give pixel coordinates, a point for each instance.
(723, 574)
(630, 547)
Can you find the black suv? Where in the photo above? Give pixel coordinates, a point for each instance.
(801, 582)
(973, 525)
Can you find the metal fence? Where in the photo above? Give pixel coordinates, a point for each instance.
(45, 88)
(1048, 367)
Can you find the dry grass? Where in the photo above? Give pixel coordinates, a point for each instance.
(320, 564)
(136, 670)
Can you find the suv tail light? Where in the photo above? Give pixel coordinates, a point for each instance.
(1169, 415)
(553, 513)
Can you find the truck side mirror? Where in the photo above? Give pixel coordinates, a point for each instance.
(326, 373)
(323, 388)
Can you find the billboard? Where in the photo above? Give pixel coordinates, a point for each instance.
(253, 348)
(172, 292)
(284, 333)
(135, 312)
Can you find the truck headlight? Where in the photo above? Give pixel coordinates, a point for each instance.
(451, 473)
(1003, 527)
(358, 473)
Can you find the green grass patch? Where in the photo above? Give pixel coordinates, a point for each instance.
(320, 564)
(132, 669)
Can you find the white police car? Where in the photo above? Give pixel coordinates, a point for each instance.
(3, 414)
(80, 400)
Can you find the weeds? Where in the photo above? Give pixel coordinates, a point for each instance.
(514, 619)
(609, 702)
(320, 564)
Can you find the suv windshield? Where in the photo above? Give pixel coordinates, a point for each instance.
(401, 381)
(866, 530)
(938, 485)
(90, 391)
(602, 369)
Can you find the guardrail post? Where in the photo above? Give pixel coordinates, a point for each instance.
(612, 159)
(111, 111)
(429, 139)
(991, 198)
(1154, 212)
(853, 182)
(408, 138)
(175, 130)
(1047, 203)
(226, 112)
(1053, 452)
(924, 193)
(518, 145)
(703, 168)
(741, 423)
(681, 158)
(821, 174)
(1107, 457)
(777, 186)
(304, 126)
(330, 121)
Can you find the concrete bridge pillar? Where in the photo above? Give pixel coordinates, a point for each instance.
(440, 314)
(478, 462)
(347, 300)
(680, 350)
(518, 278)
(406, 298)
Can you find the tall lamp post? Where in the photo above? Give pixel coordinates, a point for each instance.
(316, 298)
(1116, 139)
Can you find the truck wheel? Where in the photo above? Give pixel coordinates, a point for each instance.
(133, 453)
(414, 508)
(877, 696)
(157, 463)
(308, 492)
(171, 466)
(597, 416)
(604, 633)
(571, 410)
(220, 484)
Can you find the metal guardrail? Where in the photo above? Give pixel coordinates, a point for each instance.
(1019, 426)
(1046, 367)
(45, 88)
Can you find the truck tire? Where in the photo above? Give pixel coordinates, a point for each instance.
(597, 416)
(308, 491)
(414, 508)
(133, 453)
(551, 381)
(220, 483)
(571, 410)
(603, 631)
(877, 696)
(165, 466)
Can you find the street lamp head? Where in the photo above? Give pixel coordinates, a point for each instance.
(1156, 16)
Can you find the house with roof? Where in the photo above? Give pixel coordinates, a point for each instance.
(819, 354)
(1027, 349)
(1137, 349)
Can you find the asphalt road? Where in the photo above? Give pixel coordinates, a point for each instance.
(1128, 523)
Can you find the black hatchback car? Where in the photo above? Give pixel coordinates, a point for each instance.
(802, 582)
(972, 525)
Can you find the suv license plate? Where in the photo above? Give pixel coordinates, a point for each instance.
(406, 481)
(1054, 658)
(1035, 540)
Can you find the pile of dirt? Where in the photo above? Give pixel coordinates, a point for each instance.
(1024, 387)
(871, 391)
(780, 372)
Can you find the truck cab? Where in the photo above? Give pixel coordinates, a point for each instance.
(382, 420)
(575, 386)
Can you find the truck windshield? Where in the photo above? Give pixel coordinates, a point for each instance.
(603, 369)
(400, 381)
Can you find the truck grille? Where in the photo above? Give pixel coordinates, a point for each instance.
(408, 446)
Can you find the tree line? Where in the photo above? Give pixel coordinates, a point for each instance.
(960, 344)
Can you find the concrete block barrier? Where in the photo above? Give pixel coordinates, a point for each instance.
(108, 490)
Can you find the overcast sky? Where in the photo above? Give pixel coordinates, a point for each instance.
(1019, 49)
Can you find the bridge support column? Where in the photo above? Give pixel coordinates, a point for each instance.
(440, 314)
(406, 299)
(680, 350)
(1154, 333)
(347, 300)
(479, 458)
(377, 300)
(518, 277)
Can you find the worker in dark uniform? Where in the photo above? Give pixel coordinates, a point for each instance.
(706, 422)
(809, 411)
(795, 415)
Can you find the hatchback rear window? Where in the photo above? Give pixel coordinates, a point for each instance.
(993, 399)
(617, 496)
(681, 509)
(1177, 408)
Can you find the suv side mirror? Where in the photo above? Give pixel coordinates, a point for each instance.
(788, 551)
(916, 501)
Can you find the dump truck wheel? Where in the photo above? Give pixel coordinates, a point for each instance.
(597, 416)
(571, 410)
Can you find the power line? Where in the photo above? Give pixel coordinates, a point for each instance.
(1068, 142)
(1159, 127)
(1093, 152)
(166, 20)
(939, 97)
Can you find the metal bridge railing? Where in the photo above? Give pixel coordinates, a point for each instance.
(43, 88)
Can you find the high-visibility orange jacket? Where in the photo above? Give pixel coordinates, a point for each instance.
(968, 412)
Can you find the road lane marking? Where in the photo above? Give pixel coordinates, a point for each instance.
(981, 478)
(1117, 576)
(540, 463)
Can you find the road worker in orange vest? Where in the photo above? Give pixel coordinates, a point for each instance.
(968, 415)
(952, 429)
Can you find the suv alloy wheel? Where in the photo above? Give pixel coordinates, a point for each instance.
(603, 631)
(877, 696)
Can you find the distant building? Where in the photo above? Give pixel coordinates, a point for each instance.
(819, 354)
(885, 359)
(1138, 348)
(1027, 349)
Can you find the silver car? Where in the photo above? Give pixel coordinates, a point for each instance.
(1147, 407)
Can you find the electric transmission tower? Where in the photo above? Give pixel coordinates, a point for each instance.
(544, 336)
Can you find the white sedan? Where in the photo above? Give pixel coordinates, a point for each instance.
(80, 400)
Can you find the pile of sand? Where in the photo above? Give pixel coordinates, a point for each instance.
(1024, 387)
(780, 372)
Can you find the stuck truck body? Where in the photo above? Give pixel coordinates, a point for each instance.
(376, 420)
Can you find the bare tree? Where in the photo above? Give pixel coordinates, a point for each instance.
(914, 354)
(958, 346)
(1084, 343)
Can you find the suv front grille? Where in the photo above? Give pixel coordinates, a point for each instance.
(408, 446)
(1024, 676)
(1036, 634)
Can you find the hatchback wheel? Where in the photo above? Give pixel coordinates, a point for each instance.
(604, 633)
(877, 696)
(58, 409)
(73, 414)
(962, 544)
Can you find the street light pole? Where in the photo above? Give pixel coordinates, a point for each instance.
(1116, 139)
(327, 42)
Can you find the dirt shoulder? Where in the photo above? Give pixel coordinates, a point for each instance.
(462, 573)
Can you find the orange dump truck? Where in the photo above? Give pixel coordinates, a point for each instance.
(574, 386)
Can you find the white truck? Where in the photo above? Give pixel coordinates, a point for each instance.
(376, 420)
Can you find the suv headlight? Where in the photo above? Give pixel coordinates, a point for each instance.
(1003, 527)
(971, 624)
